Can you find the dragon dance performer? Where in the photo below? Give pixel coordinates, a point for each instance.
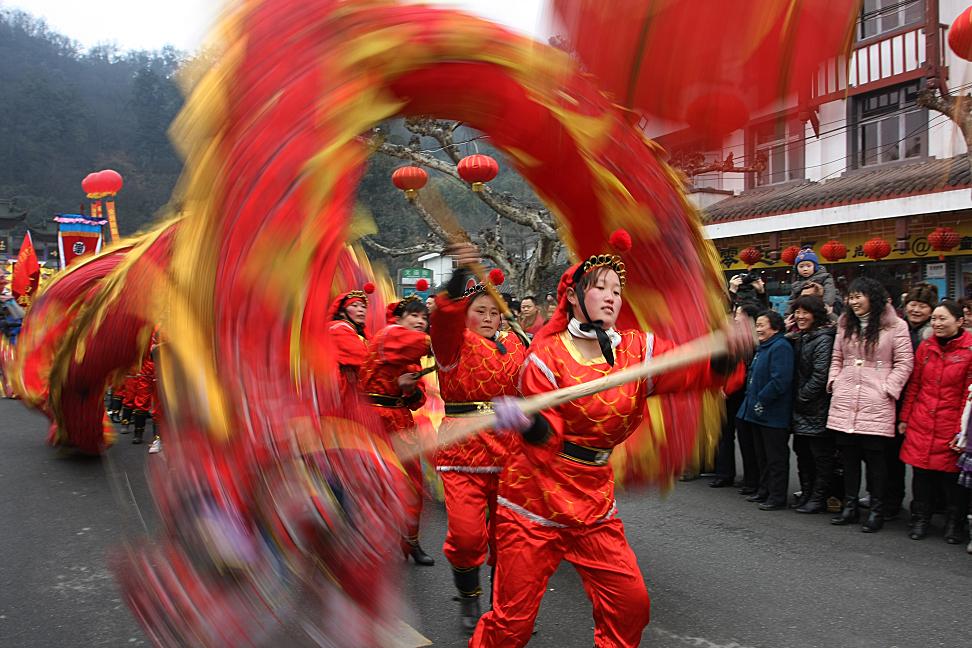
(476, 363)
(556, 497)
(348, 314)
(389, 379)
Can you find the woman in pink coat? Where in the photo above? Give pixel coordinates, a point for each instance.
(871, 364)
(932, 417)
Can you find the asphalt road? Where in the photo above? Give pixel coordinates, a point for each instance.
(721, 573)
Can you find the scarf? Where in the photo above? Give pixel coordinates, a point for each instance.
(606, 339)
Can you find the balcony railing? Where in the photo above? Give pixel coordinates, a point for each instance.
(886, 59)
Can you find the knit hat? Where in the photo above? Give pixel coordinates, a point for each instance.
(925, 293)
(807, 254)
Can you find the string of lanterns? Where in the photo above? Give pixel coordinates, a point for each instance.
(477, 170)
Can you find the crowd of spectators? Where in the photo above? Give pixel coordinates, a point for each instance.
(854, 381)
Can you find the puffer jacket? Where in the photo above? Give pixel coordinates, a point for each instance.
(863, 387)
(811, 401)
(934, 402)
(821, 277)
(769, 385)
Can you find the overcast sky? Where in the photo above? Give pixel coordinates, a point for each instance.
(150, 24)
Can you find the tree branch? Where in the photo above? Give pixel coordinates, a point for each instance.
(396, 252)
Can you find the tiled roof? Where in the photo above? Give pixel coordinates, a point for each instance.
(862, 185)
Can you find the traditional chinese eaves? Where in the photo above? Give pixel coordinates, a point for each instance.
(862, 185)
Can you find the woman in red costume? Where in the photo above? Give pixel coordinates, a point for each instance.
(389, 379)
(346, 335)
(476, 363)
(556, 497)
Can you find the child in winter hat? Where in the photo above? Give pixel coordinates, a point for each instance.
(807, 268)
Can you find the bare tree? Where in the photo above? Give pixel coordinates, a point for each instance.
(958, 108)
(524, 272)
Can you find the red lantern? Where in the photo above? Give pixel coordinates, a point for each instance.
(410, 179)
(112, 181)
(877, 249)
(943, 239)
(477, 169)
(789, 255)
(88, 184)
(960, 35)
(750, 256)
(833, 250)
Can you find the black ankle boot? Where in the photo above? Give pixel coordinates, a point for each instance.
(139, 418)
(114, 405)
(954, 527)
(467, 582)
(875, 518)
(419, 556)
(126, 417)
(806, 492)
(849, 514)
(816, 504)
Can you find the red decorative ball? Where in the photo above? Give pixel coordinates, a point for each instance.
(833, 250)
(422, 285)
(496, 277)
(877, 248)
(111, 181)
(751, 256)
(620, 240)
(789, 255)
(477, 169)
(369, 288)
(943, 239)
(960, 35)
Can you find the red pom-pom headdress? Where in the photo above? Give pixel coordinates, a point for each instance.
(422, 285)
(496, 278)
(350, 297)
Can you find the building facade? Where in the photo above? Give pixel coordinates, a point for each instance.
(854, 158)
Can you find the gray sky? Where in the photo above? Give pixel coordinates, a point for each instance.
(150, 24)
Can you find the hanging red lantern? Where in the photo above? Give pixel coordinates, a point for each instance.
(477, 169)
(410, 179)
(88, 184)
(833, 250)
(877, 249)
(750, 256)
(112, 181)
(960, 35)
(789, 255)
(943, 239)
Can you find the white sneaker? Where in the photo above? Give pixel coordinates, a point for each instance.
(156, 446)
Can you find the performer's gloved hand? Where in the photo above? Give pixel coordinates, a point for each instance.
(509, 416)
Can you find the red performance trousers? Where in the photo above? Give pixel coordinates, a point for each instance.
(470, 535)
(413, 497)
(529, 553)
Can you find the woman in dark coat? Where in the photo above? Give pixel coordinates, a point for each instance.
(767, 407)
(813, 345)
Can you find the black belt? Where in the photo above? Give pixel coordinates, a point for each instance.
(475, 408)
(585, 455)
(381, 400)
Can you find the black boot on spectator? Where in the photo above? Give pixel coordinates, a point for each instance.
(875, 518)
(920, 520)
(849, 514)
(806, 491)
(817, 502)
(955, 531)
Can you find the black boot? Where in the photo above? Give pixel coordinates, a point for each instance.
(817, 502)
(849, 514)
(467, 582)
(920, 520)
(806, 491)
(875, 518)
(139, 418)
(955, 532)
(418, 555)
(114, 405)
(126, 417)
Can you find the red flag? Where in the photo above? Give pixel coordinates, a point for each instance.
(27, 271)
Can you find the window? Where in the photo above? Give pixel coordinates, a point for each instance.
(881, 16)
(781, 142)
(890, 126)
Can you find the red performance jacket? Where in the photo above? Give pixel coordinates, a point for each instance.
(472, 369)
(394, 351)
(539, 482)
(350, 350)
(934, 402)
